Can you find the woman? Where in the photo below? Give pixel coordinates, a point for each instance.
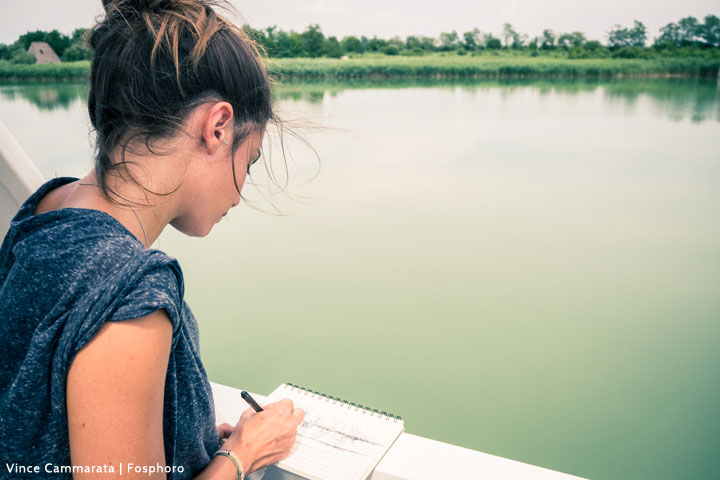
(101, 374)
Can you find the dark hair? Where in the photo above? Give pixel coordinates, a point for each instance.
(156, 60)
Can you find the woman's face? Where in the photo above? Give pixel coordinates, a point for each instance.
(209, 186)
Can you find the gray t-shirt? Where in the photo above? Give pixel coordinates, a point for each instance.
(62, 274)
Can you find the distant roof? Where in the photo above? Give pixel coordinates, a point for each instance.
(43, 52)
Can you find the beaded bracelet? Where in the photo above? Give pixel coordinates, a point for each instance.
(235, 459)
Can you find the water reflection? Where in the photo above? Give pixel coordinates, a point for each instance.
(546, 248)
(47, 96)
(697, 99)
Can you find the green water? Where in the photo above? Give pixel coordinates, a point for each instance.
(526, 269)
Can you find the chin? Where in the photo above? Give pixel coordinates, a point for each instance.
(192, 229)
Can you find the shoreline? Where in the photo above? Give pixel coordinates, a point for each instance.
(423, 67)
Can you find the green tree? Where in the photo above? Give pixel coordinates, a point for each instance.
(449, 41)
(511, 37)
(548, 40)
(491, 43)
(412, 43)
(78, 35)
(427, 44)
(669, 35)
(618, 37)
(710, 31)
(332, 48)
(21, 56)
(289, 45)
(27, 38)
(390, 50)
(77, 51)
(58, 41)
(313, 40)
(533, 45)
(352, 45)
(5, 52)
(471, 40)
(397, 42)
(257, 36)
(637, 35)
(569, 40)
(689, 30)
(270, 41)
(595, 47)
(375, 44)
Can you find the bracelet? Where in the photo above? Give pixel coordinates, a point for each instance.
(235, 459)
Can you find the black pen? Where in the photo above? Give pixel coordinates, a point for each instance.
(251, 401)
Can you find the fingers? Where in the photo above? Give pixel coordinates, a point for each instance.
(224, 430)
(284, 404)
(298, 415)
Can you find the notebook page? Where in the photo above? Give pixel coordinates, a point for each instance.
(336, 441)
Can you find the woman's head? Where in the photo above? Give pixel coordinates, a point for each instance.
(156, 62)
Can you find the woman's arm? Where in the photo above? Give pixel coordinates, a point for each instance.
(115, 393)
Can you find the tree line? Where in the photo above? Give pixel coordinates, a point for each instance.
(686, 36)
(620, 41)
(69, 48)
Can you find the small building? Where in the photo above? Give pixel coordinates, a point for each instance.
(43, 53)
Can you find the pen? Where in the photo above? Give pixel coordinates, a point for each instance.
(251, 401)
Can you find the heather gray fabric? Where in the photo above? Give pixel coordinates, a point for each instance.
(62, 274)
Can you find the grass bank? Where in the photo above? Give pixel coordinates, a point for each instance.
(45, 72)
(490, 67)
(431, 66)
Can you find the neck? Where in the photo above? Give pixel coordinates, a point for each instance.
(145, 215)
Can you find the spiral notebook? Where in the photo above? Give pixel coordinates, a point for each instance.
(337, 440)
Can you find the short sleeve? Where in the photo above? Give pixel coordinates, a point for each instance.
(158, 288)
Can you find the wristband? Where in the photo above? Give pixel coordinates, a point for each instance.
(235, 459)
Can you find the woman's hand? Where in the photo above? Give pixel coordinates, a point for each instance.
(263, 438)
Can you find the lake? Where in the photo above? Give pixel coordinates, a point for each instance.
(528, 269)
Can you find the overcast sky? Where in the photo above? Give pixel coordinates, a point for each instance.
(387, 18)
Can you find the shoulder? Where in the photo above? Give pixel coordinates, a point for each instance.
(51, 189)
(141, 285)
(54, 196)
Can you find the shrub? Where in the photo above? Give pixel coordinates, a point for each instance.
(76, 52)
(22, 57)
(390, 50)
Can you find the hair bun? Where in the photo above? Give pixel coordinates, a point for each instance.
(137, 5)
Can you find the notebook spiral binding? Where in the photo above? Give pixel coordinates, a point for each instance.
(350, 405)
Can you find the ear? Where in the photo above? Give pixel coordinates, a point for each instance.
(218, 126)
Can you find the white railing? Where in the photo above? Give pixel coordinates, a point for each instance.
(410, 458)
(19, 177)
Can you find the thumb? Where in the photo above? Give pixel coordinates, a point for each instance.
(298, 415)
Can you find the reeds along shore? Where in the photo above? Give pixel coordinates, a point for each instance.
(423, 66)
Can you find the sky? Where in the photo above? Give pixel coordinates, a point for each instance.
(388, 18)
